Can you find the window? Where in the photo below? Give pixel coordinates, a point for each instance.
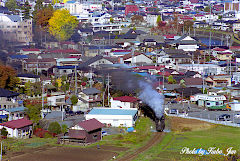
(8, 26)
(208, 104)
(13, 26)
(19, 26)
(94, 136)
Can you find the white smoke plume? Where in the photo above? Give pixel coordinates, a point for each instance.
(152, 98)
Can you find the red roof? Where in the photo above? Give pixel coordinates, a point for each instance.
(90, 125)
(170, 36)
(126, 99)
(219, 49)
(64, 51)
(122, 51)
(16, 124)
(150, 67)
(30, 49)
(234, 47)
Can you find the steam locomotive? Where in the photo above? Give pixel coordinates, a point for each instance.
(159, 122)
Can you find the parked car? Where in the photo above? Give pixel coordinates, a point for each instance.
(79, 113)
(237, 116)
(173, 101)
(173, 111)
(224, 117)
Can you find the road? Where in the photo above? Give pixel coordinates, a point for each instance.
(196, 111)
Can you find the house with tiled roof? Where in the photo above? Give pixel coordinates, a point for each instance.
(30, 51)
(84, 132)
(136, 58)
(124, 102)
(21, 128)
(8, 99)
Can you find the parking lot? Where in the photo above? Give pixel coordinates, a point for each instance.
(194, 111)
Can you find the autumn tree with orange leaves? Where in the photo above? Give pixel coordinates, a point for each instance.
(8, 77)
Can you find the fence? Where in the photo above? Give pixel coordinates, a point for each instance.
(206, 120)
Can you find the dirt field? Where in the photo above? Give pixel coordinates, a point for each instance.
(181, 124)
(67, 154)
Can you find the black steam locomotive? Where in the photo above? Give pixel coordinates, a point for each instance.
(159, 122)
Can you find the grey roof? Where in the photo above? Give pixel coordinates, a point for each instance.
(55, 115)
(157, 38)
(90, 91)
(180, 56)
(180, 40)
(14, 18)
(173, 51)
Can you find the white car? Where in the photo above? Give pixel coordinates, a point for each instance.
(237, 116)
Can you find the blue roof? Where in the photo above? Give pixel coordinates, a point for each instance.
(121, 53)
(111, 111)
(19, 56)
(15, 109)
(144, 74)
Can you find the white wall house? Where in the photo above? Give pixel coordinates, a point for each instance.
(114, 117)
(56, 100)
(137, 58)
(20, 128)
(209, 69)
(124, 102)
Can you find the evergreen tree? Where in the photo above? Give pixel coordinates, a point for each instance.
(26, 12)
(11, 5)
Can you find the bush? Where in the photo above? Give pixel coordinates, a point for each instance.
(74, 99)
(54, 127)
(47, 135)
(4, 132)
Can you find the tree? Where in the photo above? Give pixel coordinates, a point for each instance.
(43, 16)
(64, 128)
(159, 19)
(11, 5)
(137, 19)
(62, 24)
(33, 112)
(170, 79)
(111, 19)
(188, 25)
(54, 127)
(8, 77)
(207, 9)
(26, 12)
(74, 99)
(4, 132)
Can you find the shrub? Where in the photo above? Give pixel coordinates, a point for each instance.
(4, 132)
(54, 127)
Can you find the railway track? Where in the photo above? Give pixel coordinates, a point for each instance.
(154, 140)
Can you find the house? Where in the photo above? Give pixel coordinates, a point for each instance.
(204, 100)
(97, 61)
(13, 113)
(205, 69)
(85, 32)
(224, 56)
(38, 65)
(56, 100)
(187, 92)
(124, 102)
(28, 78)
(131, 9)
(21, 128)
(88, 98)
(192, 74)
(8, 99)
(30, 51)
(114, 117)
(85, 132)
(192, 82)
(186, 43)
(221, 80)
(136, 58)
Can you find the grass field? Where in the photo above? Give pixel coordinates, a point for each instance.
(207, 136)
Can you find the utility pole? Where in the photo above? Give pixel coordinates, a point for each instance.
(108, 91)
(75, 79)
(1, 149)
(42, 96)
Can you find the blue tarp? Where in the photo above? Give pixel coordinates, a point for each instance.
(3, 116)
(130, 129)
